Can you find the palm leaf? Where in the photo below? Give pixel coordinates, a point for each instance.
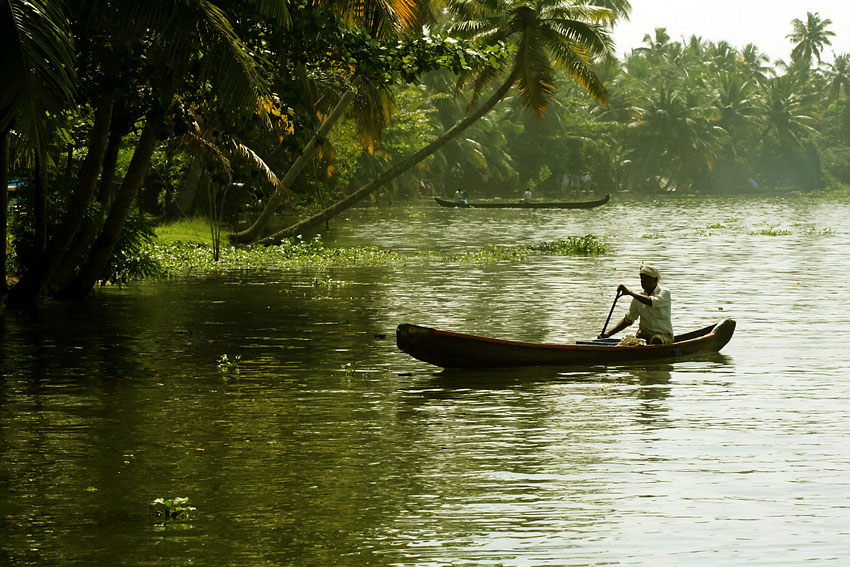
(238, 83)
(36, 66)
(535, 82)
(372, 111)
(381, 18)
(257, 162)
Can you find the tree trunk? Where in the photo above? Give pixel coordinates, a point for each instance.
(26, 292)
(254, 231)
(103, 247)
(87, 234)
(400, 168)
(184, 202)
(69, 165)
(40, 201)
(4, 198)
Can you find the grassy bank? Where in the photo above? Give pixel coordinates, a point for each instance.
(194, 230)
(185, 248)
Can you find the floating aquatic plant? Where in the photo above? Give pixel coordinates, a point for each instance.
(227, 363)
(182, 258)
(771, 231)
(588, 245)
(172, 509)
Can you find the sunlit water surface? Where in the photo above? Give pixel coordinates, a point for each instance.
(325, 445)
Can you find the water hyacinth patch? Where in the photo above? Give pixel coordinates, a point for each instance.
(229, 363)
(588, 245)
(771, 231)
(172, 509)
(183, 259)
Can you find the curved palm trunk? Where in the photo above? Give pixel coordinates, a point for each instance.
(253, 232)
(399, 168)
(103, 247)
(26, 292)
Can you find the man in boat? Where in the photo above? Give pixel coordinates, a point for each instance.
(652, 308)
(460, 197)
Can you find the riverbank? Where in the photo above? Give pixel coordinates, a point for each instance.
(183, 258)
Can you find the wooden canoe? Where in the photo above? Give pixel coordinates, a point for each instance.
(523, 205)
(456, 350)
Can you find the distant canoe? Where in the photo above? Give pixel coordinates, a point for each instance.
(523, 205)
(456, 350)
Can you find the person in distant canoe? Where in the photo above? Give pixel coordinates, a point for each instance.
(652, 308)
(526, 197)
(460, 196)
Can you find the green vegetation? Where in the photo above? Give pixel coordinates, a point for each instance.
(195, 230)
(390, 101)
(771, 231)
(177, 258)
(767, 230)
(227, 363)
(172, 509)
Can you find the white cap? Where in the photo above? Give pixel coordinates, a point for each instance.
(650, 271)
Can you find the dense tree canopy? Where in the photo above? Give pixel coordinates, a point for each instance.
(116, 113)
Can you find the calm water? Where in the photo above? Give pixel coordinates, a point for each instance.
(328, 446)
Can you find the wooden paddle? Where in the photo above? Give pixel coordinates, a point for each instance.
(605, 326)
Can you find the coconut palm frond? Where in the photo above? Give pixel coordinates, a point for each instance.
(238, 81)
(36, 66)
(549, 34)
(196, 143)
(257, 162)
(536, 83)
(380, 18)
(372, 111)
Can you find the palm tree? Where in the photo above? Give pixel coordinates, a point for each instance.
(676, 139)
(695, 45)
(657, 44)
(722, 56)
(785, 116)
(546, 33)
(204, 36)
(37, 74)
(787, 154)
(810, 37)
(755, 63)
(173, 35)
(736, 110)
(37, 67)
(379, 19)
(838, 77)
(734, 100)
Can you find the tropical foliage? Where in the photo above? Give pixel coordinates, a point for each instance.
(116, 114)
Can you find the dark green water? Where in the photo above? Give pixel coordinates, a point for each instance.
(328, 446)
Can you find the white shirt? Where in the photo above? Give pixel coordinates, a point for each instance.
(655, 319)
